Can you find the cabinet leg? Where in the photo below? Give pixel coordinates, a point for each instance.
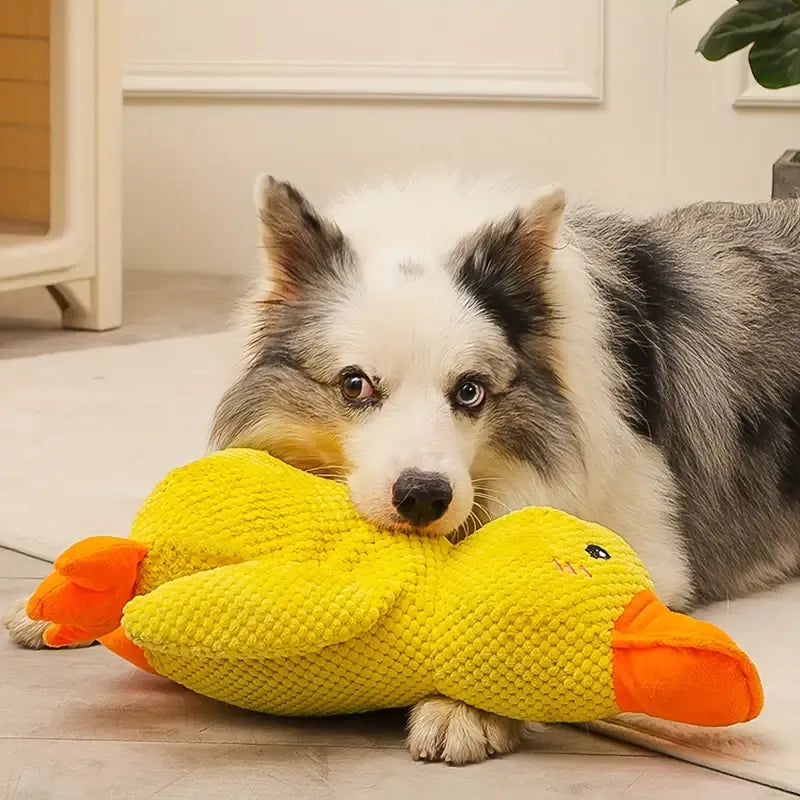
(88, 304)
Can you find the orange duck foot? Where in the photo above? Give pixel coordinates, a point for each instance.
(117, 642)
(85, 595)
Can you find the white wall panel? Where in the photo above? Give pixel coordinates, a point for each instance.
(506, 49)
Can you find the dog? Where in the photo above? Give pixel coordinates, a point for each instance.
(456, 348)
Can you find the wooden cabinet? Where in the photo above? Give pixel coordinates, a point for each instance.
(60, 119)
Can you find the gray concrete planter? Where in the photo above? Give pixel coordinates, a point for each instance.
(786, 175)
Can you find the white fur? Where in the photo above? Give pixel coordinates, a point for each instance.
(418, 332)
(419, 335)
(440, 729)
(27, 632)
(422, 217)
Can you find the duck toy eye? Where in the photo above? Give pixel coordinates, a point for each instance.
(595, 551)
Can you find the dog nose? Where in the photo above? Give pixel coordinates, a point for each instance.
(421, 497)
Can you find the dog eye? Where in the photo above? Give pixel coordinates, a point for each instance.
(470, 394)
(356, 387)
(595, 551)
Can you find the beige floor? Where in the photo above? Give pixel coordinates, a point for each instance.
(82, 724)
(157, 305)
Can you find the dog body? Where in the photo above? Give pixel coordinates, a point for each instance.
(641, 374)
(455, 349)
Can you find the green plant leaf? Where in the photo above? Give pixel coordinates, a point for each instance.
(742, 24)
(775, 60)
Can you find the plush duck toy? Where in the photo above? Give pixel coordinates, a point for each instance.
(259, 585)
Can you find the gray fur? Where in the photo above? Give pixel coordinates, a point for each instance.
(700, 319)
(506, 273)
(703, 306)
(411, 269)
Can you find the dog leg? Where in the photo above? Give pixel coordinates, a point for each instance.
(440, 729)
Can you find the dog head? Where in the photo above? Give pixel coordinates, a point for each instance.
(403, 343)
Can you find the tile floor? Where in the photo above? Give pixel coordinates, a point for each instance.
(83, 725)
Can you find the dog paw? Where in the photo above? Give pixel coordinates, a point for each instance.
(27, 632)
(440, 729)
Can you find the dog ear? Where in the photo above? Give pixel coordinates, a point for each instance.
(504, 265)
(540, 221)
(301, 248)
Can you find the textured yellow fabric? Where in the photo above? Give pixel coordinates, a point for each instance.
(263, 588)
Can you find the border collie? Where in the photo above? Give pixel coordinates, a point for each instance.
(454, 349)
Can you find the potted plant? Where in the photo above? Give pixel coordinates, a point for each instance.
(771, 29)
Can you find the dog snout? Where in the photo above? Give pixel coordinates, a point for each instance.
(421, 497)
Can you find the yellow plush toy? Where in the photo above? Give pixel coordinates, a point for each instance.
(259, 585)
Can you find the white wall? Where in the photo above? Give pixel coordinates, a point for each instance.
(605, 96)
(723, 131)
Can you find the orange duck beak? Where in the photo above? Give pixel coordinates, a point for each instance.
(682, 669)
